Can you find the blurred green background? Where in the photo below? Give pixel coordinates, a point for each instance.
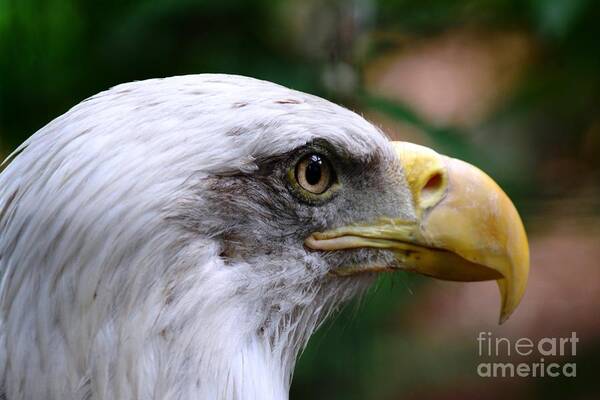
(512, 86)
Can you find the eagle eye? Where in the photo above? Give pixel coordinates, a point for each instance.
(314, 173)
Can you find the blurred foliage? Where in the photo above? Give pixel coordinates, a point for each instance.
(55, 53)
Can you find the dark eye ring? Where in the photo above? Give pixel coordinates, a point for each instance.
(314, 173)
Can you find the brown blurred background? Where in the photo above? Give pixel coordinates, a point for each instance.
(512, 86)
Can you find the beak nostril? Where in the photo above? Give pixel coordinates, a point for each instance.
(432, 190)
(433, 185)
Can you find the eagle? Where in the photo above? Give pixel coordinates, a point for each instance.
(182, 238)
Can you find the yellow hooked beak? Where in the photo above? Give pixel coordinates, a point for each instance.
(466, 228)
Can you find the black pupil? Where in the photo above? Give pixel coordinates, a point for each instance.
(313, 169)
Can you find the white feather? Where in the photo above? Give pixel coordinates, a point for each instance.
(103, 298)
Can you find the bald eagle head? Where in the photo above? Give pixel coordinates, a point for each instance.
(183, 238)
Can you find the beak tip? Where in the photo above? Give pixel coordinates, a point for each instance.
(503, 318)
